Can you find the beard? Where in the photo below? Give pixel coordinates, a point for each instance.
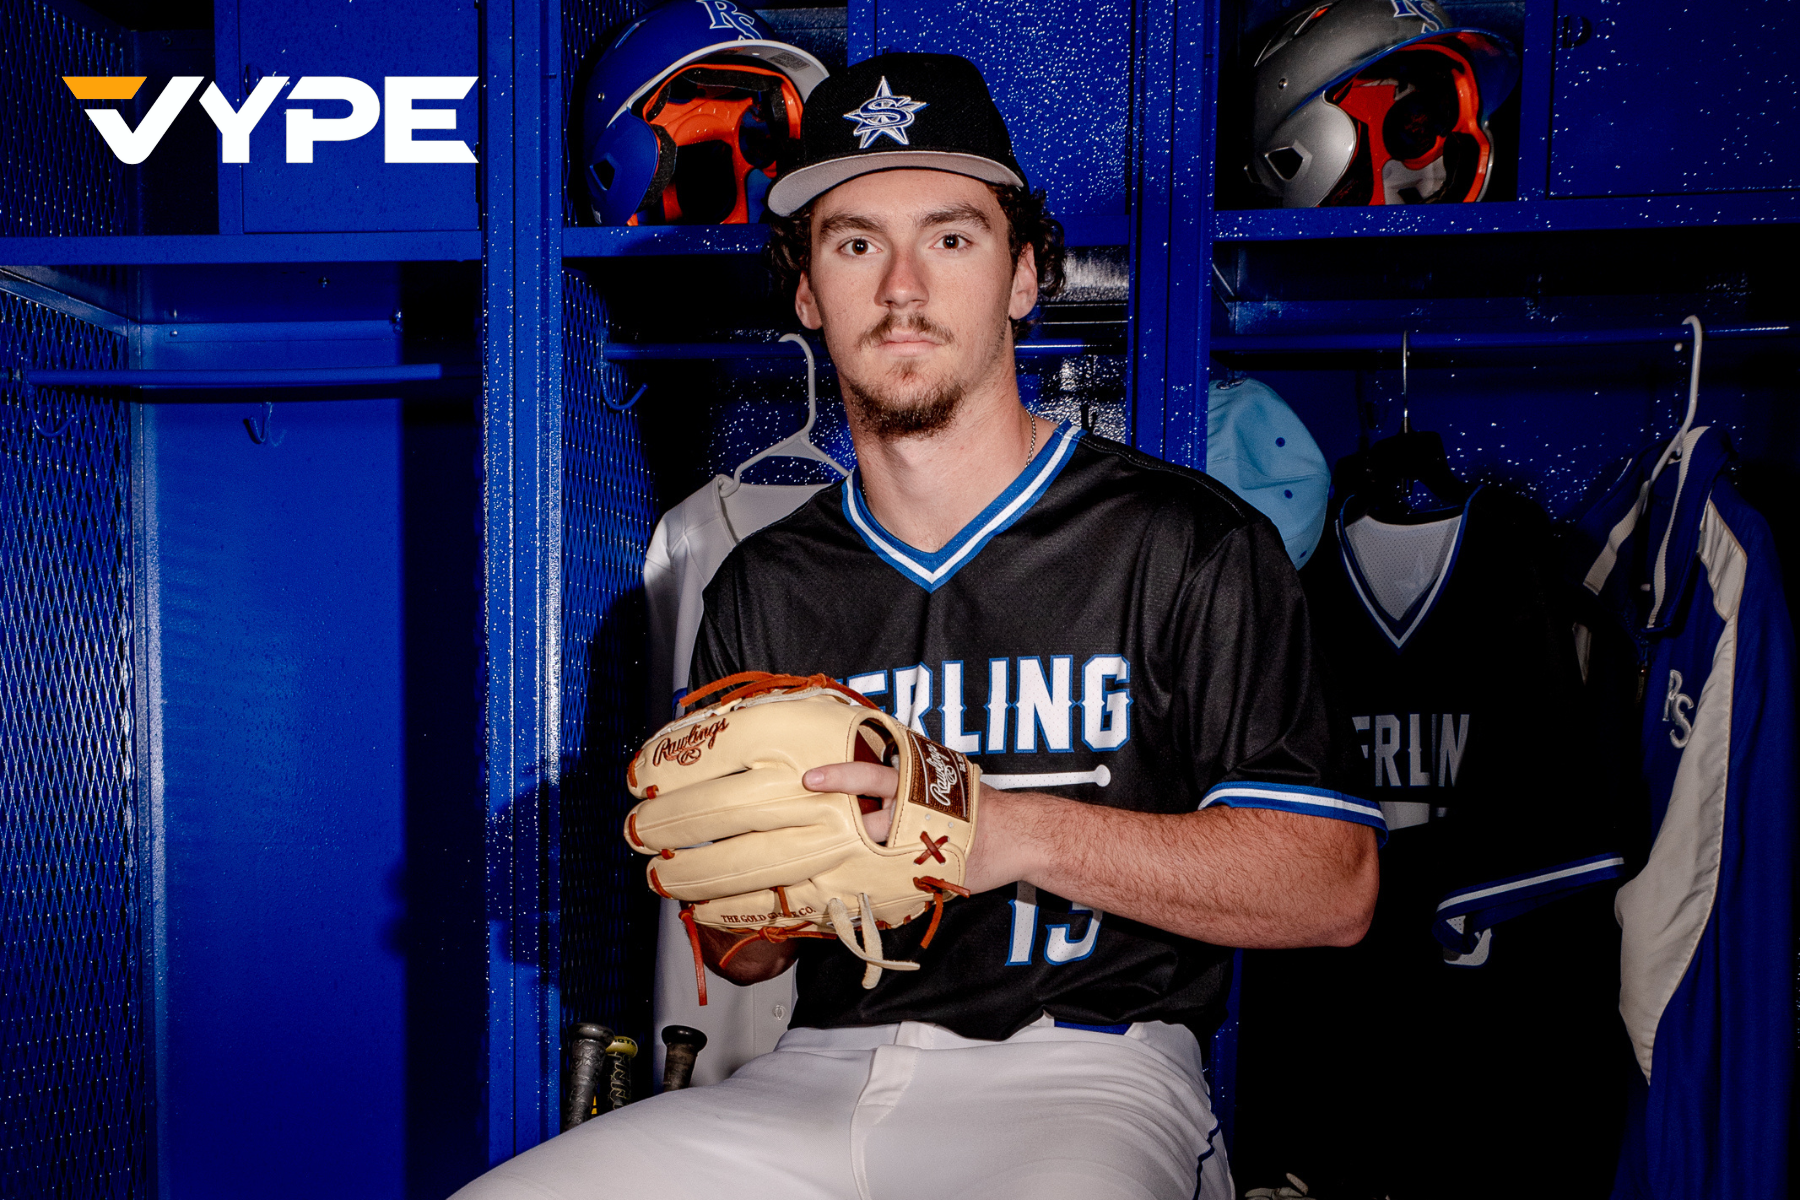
(903, 405)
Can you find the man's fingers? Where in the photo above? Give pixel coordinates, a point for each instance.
(858, 779)
(879, 822)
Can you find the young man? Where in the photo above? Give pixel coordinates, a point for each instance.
(1122, 643)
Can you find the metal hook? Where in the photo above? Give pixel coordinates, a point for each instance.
(1405, 361)
(28, 393)
(261, 436)
(625, 407)
(52, 434)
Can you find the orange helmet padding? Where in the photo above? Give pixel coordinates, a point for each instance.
(716, 113)
(1370, 98)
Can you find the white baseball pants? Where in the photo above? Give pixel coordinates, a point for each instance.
(906, 1112)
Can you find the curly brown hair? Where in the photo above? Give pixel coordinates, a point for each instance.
(1028, 223)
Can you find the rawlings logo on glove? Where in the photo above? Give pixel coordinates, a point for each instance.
(688, 748)
(745, 846)
(946, 782)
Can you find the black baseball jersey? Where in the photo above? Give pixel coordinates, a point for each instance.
(1112, 629)
(1450, 648)
(1467, 704)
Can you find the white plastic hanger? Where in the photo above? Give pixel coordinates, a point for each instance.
(800, 443)
(1673, 449)
(1405, 361)
(1609, 557)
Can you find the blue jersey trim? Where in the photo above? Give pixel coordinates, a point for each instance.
(1398, 631)
(1486, 905)
(1293, 797)
(932, 570)
(1121, 1028)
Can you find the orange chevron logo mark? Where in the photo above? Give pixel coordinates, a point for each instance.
(104, 87)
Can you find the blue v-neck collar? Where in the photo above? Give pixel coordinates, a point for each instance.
(931, 570)
(1398, 630)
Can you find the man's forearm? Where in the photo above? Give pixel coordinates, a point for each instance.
(1255, 878)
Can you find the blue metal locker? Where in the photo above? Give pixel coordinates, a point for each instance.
(320, 659)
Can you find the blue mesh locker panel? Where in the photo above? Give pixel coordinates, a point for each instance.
(608, 514)
(56, 175)
(74, 1080)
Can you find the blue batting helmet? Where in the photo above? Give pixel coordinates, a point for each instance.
(685, 116)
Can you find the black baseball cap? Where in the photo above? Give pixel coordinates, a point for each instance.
(894, 112)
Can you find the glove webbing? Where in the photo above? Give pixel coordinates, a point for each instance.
(755, 683)
(842, 925)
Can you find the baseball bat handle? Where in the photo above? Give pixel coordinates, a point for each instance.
(684, 1044)
(587, 1059)
(619, 1052)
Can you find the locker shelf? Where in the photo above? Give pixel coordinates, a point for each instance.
(298, 377)
(1525, 339)
(429, 246)
(1631, 212)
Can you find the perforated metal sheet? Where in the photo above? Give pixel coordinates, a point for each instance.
(608, 514)
(74, 1081)
(56, 175)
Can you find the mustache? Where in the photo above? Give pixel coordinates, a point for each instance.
(915, 323)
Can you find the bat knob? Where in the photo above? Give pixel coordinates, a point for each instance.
(678, 1034)
(684, 1045)
(587, 1056)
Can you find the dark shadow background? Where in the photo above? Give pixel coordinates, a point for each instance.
(445, 925)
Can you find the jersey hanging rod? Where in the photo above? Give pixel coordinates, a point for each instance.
(653, 351)
(1420, 340)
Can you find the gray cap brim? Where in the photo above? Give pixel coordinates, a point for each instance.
(796, 189)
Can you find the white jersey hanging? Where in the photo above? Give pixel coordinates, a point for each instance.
(690, 542)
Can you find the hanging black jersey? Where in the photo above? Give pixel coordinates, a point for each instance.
(1111, 628)
(1450, 650)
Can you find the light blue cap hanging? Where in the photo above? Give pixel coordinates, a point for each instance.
(1258, 448)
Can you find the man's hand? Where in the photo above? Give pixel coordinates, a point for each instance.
(1248, 877)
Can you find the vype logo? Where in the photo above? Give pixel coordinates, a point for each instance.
(393, 110)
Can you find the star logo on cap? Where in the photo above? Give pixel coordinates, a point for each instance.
(884, 115)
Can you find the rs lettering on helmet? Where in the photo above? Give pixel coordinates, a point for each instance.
(1415, 8)
(725, 15)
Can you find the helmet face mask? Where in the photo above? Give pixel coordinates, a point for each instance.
(1376, 102)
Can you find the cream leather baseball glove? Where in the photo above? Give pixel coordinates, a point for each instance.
(745, 846)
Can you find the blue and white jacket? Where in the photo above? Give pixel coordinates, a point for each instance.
(1707, 988)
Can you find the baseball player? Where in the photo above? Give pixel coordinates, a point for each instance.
(1120, 644)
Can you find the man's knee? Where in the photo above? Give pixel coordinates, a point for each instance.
(611, 1156)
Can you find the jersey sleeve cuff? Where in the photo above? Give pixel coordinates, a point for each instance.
(1290, 797)
(1487, 904)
